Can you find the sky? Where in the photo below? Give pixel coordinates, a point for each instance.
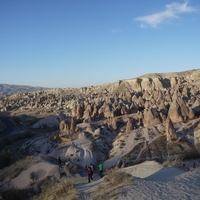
(77, 43)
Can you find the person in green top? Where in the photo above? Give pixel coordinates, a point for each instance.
(101, 170)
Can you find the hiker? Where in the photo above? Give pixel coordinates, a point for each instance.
(92, 169)
(101, 170)
(89, 171)
(59, 163)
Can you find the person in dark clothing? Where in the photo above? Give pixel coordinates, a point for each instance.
(59, 163)
(89, 171)
(92, 168)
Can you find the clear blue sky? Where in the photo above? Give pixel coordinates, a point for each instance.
(75, 43)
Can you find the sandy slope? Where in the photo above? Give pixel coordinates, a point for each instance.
(154, 182)
(143, 170)
(168, 183)
(36, 172)
(159, 183)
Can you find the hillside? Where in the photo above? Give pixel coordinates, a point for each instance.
(152, 118)
(8, 89)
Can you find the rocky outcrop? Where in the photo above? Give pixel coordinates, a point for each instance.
(89, 128)
(67, 127)
(112, 123)
(196, 107)
(174, 112)
(184, 109)
(151, 117)
(131, 124)
(197, 137)
(107, 111)
(170, 131)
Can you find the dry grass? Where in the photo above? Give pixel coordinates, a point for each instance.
(175, 162)
(183, 156)
(116, 177)
(114, 181)
(52, 190)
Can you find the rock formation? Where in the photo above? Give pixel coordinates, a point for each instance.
(197, 137)
(170, 131)
(151, 98)
(67, 127)
(151, 117)
(175, 112)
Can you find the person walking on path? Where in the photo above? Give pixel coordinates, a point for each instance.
(89, 171)
(92, 169)
(101, 170)
(59, 163)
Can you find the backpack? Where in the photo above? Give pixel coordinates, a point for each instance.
(89, 170)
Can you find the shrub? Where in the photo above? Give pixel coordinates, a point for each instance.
(114, 181)
(63, 190)
(5, 157)
(15, 194)
(191, 154)
(116, 177)
(176, 159)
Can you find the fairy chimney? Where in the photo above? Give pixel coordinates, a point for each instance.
(170, 130)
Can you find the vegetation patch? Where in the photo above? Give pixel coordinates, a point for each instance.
(5, 157)
(52, 190)
(114, 181)
(15, 194)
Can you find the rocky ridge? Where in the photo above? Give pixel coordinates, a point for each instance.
(8, 89)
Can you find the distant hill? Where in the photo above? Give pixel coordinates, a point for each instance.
(8, 89)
